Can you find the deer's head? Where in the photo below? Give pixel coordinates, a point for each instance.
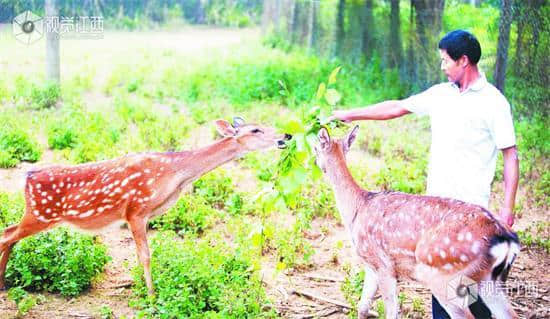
(332, 150)
(252, 136)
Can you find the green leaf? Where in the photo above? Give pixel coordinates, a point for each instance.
(332, 77)
(332, 96)
(321, 90)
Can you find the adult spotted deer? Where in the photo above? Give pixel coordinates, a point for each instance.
(133, 188)
(453, 248)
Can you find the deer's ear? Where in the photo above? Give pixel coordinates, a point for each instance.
(348, 140)
(238, 121)
(225, 128)
(324, 138)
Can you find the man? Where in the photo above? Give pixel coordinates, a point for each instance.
(470, 120)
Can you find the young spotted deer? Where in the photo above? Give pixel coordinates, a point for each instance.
(449, 246)
(133, 188)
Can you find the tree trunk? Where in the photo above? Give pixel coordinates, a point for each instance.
(503, 43)
(315, 27)
(518, 61)
(310, 18)
(411, 65)
(340, 32)
(52, 43)
(295, 22)
(396, 50)
(428, 25)
(368, 31)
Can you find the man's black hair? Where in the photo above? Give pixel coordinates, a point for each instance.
(458, 43)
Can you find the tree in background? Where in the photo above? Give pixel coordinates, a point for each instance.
(503, 41)
(428, 29)
(396, 51)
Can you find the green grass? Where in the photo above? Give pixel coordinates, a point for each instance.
(200, 279)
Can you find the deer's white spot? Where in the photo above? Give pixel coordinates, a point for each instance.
(150, 181)
(36, 212)
(44, 201)
(124, 182)
(468, 236)
(430, 258)
(446, 240)
(87, 214)
(135, 175)
(448, 267)
(475, 247)
(60, 184)
(100, 209)
(460, 237)
(38, 185)
(77, 196)
(72, 212)
(443, 254)
(50, 198)
(42, 219)
(463, 258)
(44, 194)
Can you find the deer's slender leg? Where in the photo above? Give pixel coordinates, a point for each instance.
(388, 289)
(4, 263)
(138, 226)
(370, 285)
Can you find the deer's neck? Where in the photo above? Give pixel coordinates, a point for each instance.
(347, 192)
(192, 165)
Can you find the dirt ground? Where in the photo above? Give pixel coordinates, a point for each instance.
(529, 280)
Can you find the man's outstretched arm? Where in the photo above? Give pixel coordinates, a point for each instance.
(511, 177)
(381, 111)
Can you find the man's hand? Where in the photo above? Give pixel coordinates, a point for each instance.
(507, 215)
(339, 115)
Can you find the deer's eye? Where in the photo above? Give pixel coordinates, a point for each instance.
(256, 130)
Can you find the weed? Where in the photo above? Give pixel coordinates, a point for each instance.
(16, 145)
(190, 215)
(22, 299)
(57, 261)
(197, 280)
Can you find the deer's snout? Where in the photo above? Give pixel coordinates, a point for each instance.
(282, 143)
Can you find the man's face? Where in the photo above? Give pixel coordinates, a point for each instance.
(454, 70)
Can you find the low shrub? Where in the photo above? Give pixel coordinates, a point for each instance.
(199, 280)
(60, 261)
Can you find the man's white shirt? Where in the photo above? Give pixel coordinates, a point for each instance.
(468, 128)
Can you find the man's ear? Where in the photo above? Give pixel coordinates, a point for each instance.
(225, 129)
(464, 60)
(324, 138)
(348, 140)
